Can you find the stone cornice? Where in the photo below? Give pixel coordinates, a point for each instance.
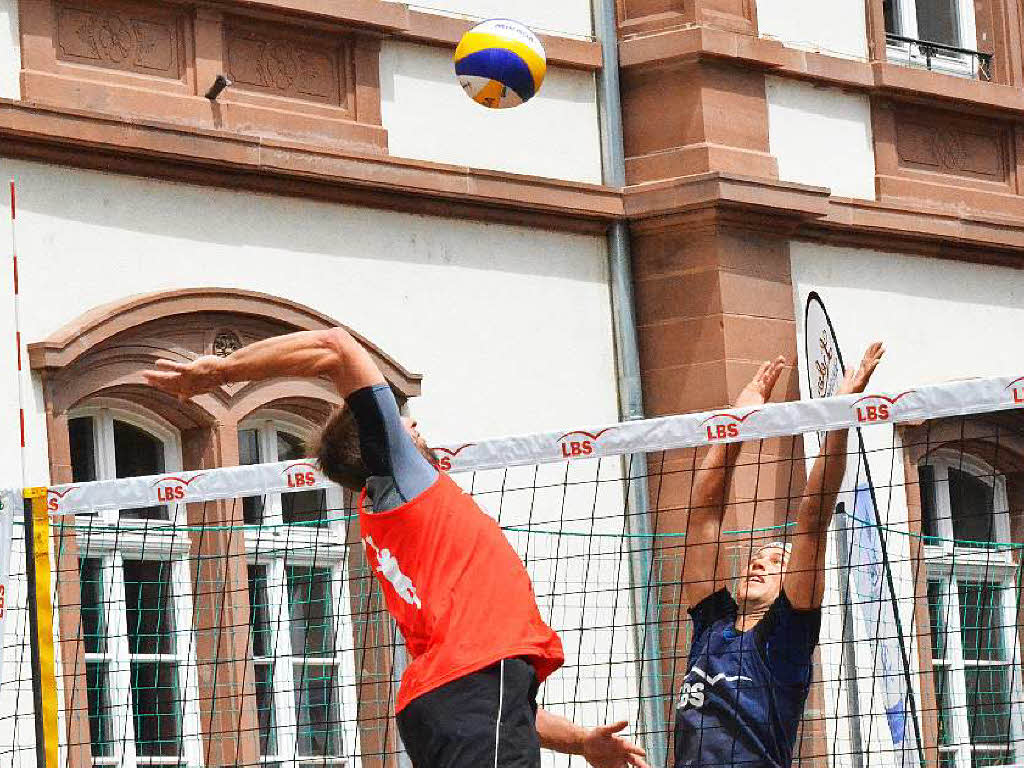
(178, 153)
(694, 43)
(400, 21)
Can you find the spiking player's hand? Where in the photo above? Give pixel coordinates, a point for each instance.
(185, 380)
(603, 749)
(760, 387)
(856, 379)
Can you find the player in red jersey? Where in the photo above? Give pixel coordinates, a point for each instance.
(456, 588)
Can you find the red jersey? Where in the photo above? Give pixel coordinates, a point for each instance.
(456, 588)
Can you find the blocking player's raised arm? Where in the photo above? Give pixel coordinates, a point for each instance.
(804, 582)
(703, 570)
(333, 353)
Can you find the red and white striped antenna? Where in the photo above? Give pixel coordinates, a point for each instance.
(17, 327)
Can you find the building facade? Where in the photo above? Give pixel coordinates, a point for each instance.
(871, 151)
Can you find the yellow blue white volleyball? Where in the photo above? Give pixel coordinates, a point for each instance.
(500, 64)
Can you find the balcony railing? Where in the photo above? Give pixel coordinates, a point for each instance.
(932, 52)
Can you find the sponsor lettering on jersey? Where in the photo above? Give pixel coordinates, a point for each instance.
(693, 693)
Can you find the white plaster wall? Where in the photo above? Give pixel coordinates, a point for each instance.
(10, 51)
(821, 136)
(428, 117)
(567, 16)
(836, 27)
(486, 312)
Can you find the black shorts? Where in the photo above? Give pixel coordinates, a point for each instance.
(457, 725)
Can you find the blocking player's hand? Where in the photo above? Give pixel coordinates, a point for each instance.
(760, 387)
(184, 380)
(603, 749)
(856, 379)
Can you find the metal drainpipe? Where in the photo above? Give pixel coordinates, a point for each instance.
(642, 566)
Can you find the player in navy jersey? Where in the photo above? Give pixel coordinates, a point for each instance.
(749, 668)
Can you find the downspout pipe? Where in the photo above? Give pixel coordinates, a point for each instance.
(642, 565)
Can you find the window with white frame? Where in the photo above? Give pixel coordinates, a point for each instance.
(136, 611)
(300, 616)
(272, 438)
(972, 600)
(910, 25)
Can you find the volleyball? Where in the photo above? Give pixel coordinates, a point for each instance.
(500, 64)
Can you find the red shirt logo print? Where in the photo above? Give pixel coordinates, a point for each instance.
(389, 567)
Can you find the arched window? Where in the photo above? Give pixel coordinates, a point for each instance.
(135, 587)
(109, 442)
(972, 603)
(273, 436)
(299, 605)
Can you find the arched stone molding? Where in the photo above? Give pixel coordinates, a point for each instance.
(99, 357)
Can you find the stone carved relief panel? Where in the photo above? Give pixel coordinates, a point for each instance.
(284, 63)
(979, 152)
(124, 36)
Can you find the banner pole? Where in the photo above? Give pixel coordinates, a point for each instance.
(40, 615)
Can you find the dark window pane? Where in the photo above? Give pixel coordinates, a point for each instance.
(148, 606)
(942, 701)
(306, 506)
(890, 10)
(929, 512)
(981, 622)
(259, 612)
(316, 704)
(136, 452)
(938, 616)
(83, 449)
(971, 502)
(265, 708)
(156, 709)
(937, 22)
(96, 677)
(309, 608)
(988, 704)
(91, 579)
(987, 759)
(249, 453)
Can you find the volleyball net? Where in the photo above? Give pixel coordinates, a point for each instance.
(229, 616)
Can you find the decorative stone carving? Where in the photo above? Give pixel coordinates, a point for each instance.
(285, 64)
(939, 143)
(225, 343)
(120, 36)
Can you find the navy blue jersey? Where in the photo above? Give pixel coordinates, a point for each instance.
(744, 692)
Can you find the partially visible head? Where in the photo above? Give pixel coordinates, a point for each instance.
(338, 452)
(762, 582)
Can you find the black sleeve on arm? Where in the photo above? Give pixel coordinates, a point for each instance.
(387, 448)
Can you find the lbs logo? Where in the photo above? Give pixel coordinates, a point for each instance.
(301, 475)
(170, 489)
(581, 444)
(445, 456)
(724, 426)
(55, 497)
(873, 409)
(1017, 390)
